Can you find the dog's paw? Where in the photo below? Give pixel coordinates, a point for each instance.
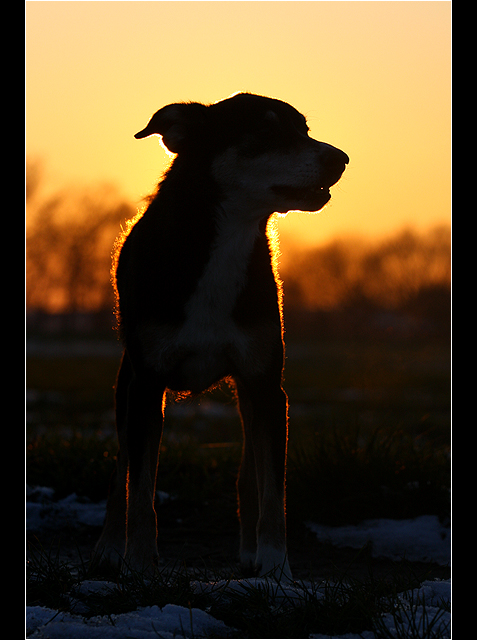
(107, 559)
(273, 563)
(141, 562)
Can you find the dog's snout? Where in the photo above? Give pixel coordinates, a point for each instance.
(333, 155)
(333, 162)
(343, 156)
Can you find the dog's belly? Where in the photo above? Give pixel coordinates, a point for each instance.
(195, 358)
(197, 371)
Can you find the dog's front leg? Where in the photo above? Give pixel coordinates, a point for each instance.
(263, 407)
(144, 431)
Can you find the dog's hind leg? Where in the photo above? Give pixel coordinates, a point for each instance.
(247, 493)
(263, 405)
(110, 547)
(144, 431)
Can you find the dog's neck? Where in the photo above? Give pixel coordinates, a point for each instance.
(225, 273)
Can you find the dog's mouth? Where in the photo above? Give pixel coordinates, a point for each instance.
(320, 191)
(314, 194)
(313, 197)
(320, 195)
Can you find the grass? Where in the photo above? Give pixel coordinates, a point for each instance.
(355, 474)
(351, 474)
(369, 438)
(341, 475)
(257, 610)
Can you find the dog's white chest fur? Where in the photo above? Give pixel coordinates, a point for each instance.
(209, 309)
(209, 331)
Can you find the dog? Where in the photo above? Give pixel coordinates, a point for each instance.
(199, 301)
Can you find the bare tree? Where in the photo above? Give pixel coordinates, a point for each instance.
(69, 239)
(386, 275)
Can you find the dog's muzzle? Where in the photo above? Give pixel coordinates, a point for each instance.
(314, 195)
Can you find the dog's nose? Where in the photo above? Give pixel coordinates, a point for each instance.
(338, 156)
(333, 155)
(333, 162)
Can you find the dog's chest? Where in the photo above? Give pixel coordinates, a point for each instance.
(209, 337)
(209, 310)
(222, 332)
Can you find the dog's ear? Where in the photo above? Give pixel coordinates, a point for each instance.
(176, 124)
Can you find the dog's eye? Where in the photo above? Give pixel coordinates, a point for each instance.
(272, 117)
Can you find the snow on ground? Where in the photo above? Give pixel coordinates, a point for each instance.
(174, 621)
(419, 539)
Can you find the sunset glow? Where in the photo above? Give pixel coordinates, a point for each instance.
(372, 78)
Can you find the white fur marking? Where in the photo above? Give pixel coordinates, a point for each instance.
(209, 309)
(209, 327)
(270, 559)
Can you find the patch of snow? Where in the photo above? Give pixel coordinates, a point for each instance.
(421, 539)
(422, 609)
(172, 621)
(419, 607)
(44, 512)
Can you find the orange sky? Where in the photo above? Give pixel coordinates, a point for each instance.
(373, 78)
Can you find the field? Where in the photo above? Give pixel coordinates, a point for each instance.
(369, 439)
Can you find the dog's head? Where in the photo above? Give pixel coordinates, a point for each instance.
(256, 148)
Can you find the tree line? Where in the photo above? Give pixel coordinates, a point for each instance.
(70, 237)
